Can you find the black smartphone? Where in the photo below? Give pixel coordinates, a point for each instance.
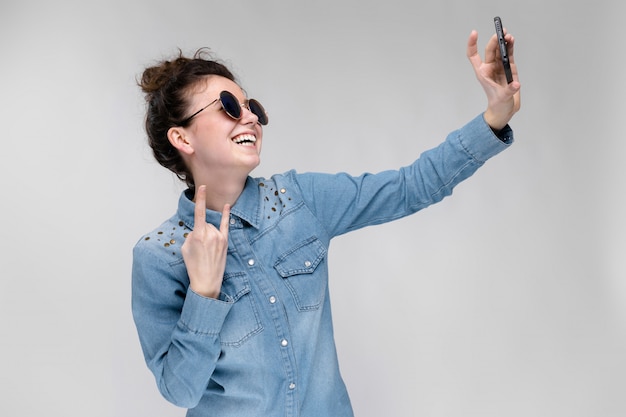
(503, 51)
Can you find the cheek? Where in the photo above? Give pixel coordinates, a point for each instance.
(259, 136)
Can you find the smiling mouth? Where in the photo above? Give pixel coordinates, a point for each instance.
(245, 139)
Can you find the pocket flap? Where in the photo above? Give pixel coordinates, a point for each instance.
(234, 286)
(303, 258)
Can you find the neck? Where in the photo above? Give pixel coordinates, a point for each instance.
(222, 191)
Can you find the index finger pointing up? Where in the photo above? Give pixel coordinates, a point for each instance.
(472, 50)
(200, 208)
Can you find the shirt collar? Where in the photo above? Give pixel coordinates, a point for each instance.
(246, 207)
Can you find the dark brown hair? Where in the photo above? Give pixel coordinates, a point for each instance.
(167, 87)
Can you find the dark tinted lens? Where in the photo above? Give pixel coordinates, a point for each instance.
(258, 110)
(230, 104)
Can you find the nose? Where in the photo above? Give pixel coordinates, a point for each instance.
(247, 116)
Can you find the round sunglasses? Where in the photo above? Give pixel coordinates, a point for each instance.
(232, 107)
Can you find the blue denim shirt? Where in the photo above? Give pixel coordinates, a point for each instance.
(265, 347)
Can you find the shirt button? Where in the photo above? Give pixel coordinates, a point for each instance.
(232, 221)
(251, 262)
(292, 386)
(272, 299)
(284, 343)
(307, 264)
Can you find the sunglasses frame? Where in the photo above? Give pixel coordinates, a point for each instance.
(250, 104)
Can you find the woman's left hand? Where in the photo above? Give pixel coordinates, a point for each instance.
(503, 99)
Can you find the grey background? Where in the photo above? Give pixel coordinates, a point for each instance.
(508, 298)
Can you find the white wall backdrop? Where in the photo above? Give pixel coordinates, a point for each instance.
(508, 298)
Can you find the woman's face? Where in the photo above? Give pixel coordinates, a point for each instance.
(219, 142)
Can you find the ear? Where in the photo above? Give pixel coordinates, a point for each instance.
(178, 138)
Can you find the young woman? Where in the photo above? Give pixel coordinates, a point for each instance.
(230, 295)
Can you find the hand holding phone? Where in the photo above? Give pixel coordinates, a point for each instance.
(503, 50)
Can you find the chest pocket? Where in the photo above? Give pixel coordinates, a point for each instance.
(242, 320)
(304, 272)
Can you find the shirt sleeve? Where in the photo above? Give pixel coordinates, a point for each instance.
(178, 329)
(343, 203)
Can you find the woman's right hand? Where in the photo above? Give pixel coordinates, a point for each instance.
(204, 251)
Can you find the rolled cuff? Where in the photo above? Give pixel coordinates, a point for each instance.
(202, 314)
(481, 142)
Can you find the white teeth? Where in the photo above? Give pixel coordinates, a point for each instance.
(245, 138)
